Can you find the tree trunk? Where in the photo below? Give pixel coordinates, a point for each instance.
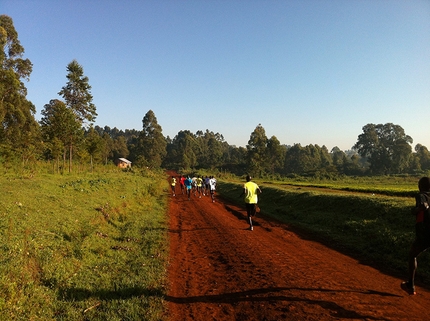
(70, 158)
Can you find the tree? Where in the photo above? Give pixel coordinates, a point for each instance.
(59, 124)
(234, 159)
(387, 147)
(107, 147)
(182, 150)
(150, 146)
(78, 98)
(19, 129)
(257, 151)
(77, 93)
(209, 149)
(94, 145)
(119, 147)
(339, 159)
(423, 155)
(215, 152)
(275, 155)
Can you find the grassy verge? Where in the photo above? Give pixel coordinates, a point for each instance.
(384, 185)
(89, 247)
(376, 229)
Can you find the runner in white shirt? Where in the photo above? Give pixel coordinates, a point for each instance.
(212, 186)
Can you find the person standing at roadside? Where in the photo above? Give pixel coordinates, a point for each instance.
(250, 190)
(422, 231)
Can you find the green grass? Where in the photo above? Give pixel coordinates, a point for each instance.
(376, 229)
(83, 247)
(403, 186)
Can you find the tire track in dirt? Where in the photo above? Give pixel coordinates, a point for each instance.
(219, 270)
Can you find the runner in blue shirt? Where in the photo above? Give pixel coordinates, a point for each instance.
(188, 184)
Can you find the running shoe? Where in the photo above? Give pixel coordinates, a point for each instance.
(407, 287)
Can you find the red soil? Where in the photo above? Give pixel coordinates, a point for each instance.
(220, 271)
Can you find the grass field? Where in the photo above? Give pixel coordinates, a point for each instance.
(83, 247)
(369, 219)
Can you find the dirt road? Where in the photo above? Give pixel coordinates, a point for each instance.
(220, 271)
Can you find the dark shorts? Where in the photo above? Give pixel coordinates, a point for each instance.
(250, 209)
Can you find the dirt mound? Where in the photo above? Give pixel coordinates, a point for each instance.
(220, 270)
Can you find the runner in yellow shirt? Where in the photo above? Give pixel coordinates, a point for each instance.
(173, 185)
(250, 190)
(199, 183)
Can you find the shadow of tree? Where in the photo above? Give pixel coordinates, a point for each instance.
(255, 295)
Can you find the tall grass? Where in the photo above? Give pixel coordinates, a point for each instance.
(376, 229)
(83, 246)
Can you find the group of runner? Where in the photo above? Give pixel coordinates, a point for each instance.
(203, 186)
(196, 185)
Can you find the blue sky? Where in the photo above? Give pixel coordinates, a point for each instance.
(308, 71)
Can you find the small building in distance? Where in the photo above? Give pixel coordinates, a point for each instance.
(123, 163)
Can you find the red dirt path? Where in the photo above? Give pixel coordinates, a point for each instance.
(220, 271)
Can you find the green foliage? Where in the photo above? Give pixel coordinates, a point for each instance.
(19, 132)
(377, 229)
(257, 152)
(77, 93)
(60, 128)
(150, 147)
(89, 247)
(386, 146)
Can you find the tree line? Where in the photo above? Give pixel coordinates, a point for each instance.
(66, 135)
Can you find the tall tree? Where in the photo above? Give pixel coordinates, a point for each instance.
(257, 151)
(275, 155)
(77, 93)
(151, 144)
(386, 146)
(78, 98)
(18, 127)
